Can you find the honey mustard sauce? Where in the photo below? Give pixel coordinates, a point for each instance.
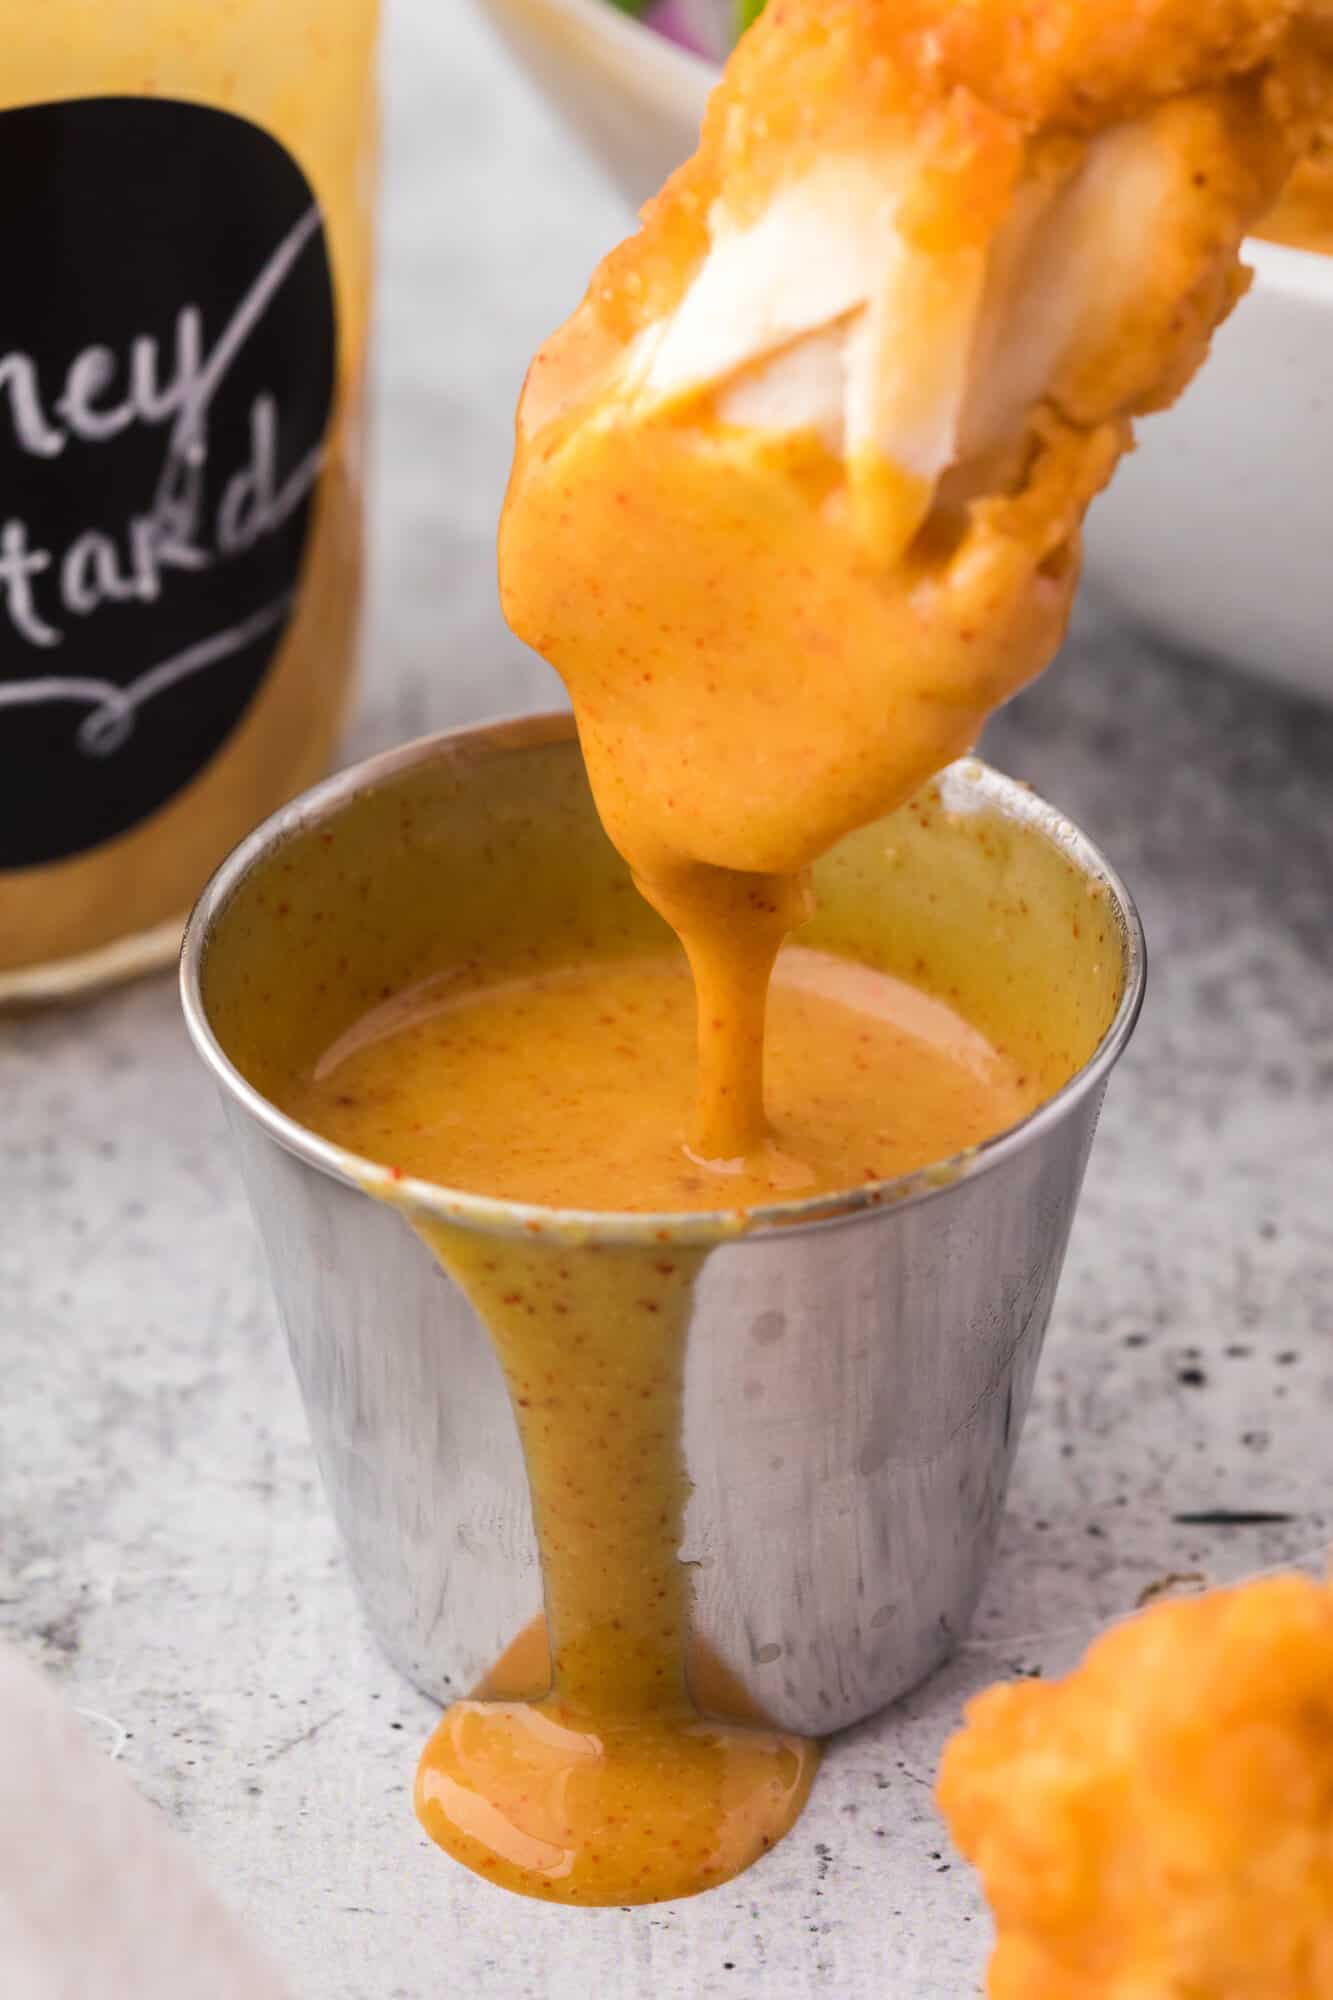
(181, 428)
(614, 1770)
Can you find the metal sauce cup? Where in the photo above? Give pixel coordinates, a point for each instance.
(858, 1367)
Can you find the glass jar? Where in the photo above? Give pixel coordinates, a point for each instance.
(182, 356)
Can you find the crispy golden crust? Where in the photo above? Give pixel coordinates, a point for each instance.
(1159, 1825)
(1087, 63)
(1303, 216)
(970, 82)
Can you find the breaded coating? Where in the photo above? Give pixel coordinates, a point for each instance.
(1303, 216)
(1159, 1825)
(886, 333)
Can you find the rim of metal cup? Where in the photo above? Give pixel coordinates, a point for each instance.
(494, 1216)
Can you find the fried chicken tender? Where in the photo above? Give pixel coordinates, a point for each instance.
(1159, 1825)
(798, 489)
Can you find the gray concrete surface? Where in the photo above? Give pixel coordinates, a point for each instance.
(164, 1549)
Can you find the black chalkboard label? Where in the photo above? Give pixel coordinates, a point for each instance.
(167, 356)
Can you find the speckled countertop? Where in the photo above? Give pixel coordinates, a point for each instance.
(164, 1548)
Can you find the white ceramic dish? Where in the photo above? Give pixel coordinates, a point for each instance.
(1217, 536)
(633, 98)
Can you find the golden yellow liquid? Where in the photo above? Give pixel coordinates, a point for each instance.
(605, 1774)
(745, 690)
(613, 1787)
(569, 1087)
(305, 73)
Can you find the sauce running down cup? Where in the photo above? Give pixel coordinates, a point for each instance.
(853, 1370)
